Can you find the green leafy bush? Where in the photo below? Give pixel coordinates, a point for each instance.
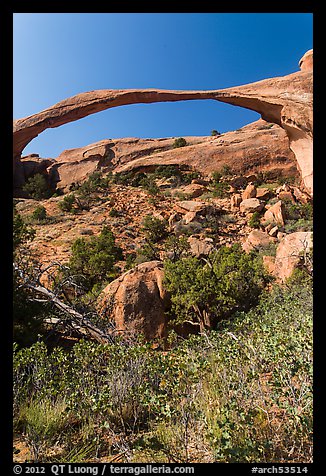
(68, 203)
(220, 189)
(214, 132)
(94, 259)
(22, 233)
(242, 393)
(254, 221)
(206, 292)
(95, 183)
(37, 187)
(179, 142)
(155, 229)
(39, 214)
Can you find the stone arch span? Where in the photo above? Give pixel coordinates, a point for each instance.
(286, 101)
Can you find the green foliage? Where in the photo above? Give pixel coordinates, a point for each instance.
(68, 204)
(214, 132)
(177, 245)
(128, 178)
(39, 215)
(148, 252)
(206, 292)
(242, 393)
(95, 183)
(27, 314)
(37, 187)
(94, 259)
(155, 229)
(167, 171)
(22, 233)
(301, 224)
(42, 422)
(113, 212)
(216, 177)
(148, 183)
(179, 142)
(297, 211)
(220, 189)
(254, 221)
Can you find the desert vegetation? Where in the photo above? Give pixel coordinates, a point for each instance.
(231, 380)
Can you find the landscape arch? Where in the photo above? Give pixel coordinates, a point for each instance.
(286, 101)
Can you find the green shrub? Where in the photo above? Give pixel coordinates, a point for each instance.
(42, 422)
(37, 187)
(39, 214)
(22, 233)
(220, 189)
(241, 393)
(155, 229)
(178, 245)
(68, 203)
(216, 177)
(179, 142)
(206, 292)
(254, 221)
(214, 132)
(167, 171)
(94, 183)
(94, 259)
(113, 212)
(296, 211)
(148, 183)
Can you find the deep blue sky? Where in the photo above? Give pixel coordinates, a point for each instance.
(57, 55)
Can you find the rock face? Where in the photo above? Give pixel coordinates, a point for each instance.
(288, 253)
(251, 205)
(286, 101)
(275, 214)
(256, 147)
(257, 239)
(136, 301)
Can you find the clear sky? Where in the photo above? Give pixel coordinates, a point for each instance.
(57, 55)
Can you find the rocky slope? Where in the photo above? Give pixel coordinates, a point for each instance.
(257, 147)
(286, 101)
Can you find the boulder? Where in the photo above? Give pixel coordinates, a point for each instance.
(275, 214)
(185, 206)
(249, 192)
(256, 240)
(136, 301)
(251, 205)
(263, 193)
(193, 190)
(235, 201)
(200, 246)
(269, 263)
(289, 251)
(287, 196)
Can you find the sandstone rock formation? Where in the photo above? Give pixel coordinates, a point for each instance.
(290, 252)
(286, 101)
(136, 301)
(257, 240)
(251, 205)
(256, 147)
(275, 214)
